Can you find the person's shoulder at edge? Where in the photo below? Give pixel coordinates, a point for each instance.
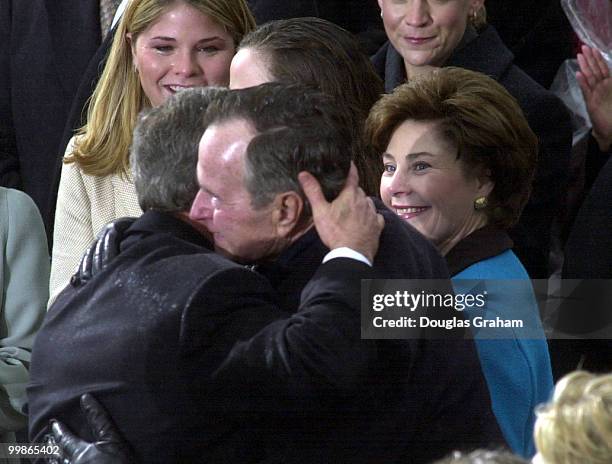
(21, 210)
(17, 197)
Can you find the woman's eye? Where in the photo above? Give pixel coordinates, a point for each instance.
(389, 168)
(163, 48)
(420, 166)
(208, 49)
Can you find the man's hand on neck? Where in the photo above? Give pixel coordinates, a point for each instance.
(349, 221)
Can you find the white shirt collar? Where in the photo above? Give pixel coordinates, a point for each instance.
(119, 13)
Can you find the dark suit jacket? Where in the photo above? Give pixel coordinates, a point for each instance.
(588, 257)
(548, 119)
(46, 45)
(588, 254)
(538, 34)
(144, 336)
(380, 400)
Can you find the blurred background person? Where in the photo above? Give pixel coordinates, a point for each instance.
(322, 55)
(425, 34)
(24, 276)
(575, 427)
(158, 49)
(458, 159)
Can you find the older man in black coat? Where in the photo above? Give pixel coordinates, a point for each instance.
(148, 331)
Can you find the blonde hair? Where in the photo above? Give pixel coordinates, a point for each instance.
(102, 144)
(576, 426)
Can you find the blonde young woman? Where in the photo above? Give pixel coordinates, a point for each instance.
(159, 48)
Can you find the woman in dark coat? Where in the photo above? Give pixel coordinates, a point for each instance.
(424, 34)
(458, 159)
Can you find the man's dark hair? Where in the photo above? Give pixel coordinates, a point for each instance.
(298, 129)
(320, 54)
(164, 151)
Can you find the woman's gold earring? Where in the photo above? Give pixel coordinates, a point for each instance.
(381, 15)
(480, 203)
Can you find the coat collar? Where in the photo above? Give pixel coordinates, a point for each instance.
(157, 222)
(300, 259)
(481, 244)
(297, 248)
(478, 56)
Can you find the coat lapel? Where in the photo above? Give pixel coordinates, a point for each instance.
(477, 56)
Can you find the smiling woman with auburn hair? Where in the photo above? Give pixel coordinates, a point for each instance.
(458, 158)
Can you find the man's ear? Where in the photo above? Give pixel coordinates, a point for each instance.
(288, 208)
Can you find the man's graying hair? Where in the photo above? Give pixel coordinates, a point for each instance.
(298, 129)
(164, 151)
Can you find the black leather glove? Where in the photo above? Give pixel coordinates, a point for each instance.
(102, 251)
(109, 447)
